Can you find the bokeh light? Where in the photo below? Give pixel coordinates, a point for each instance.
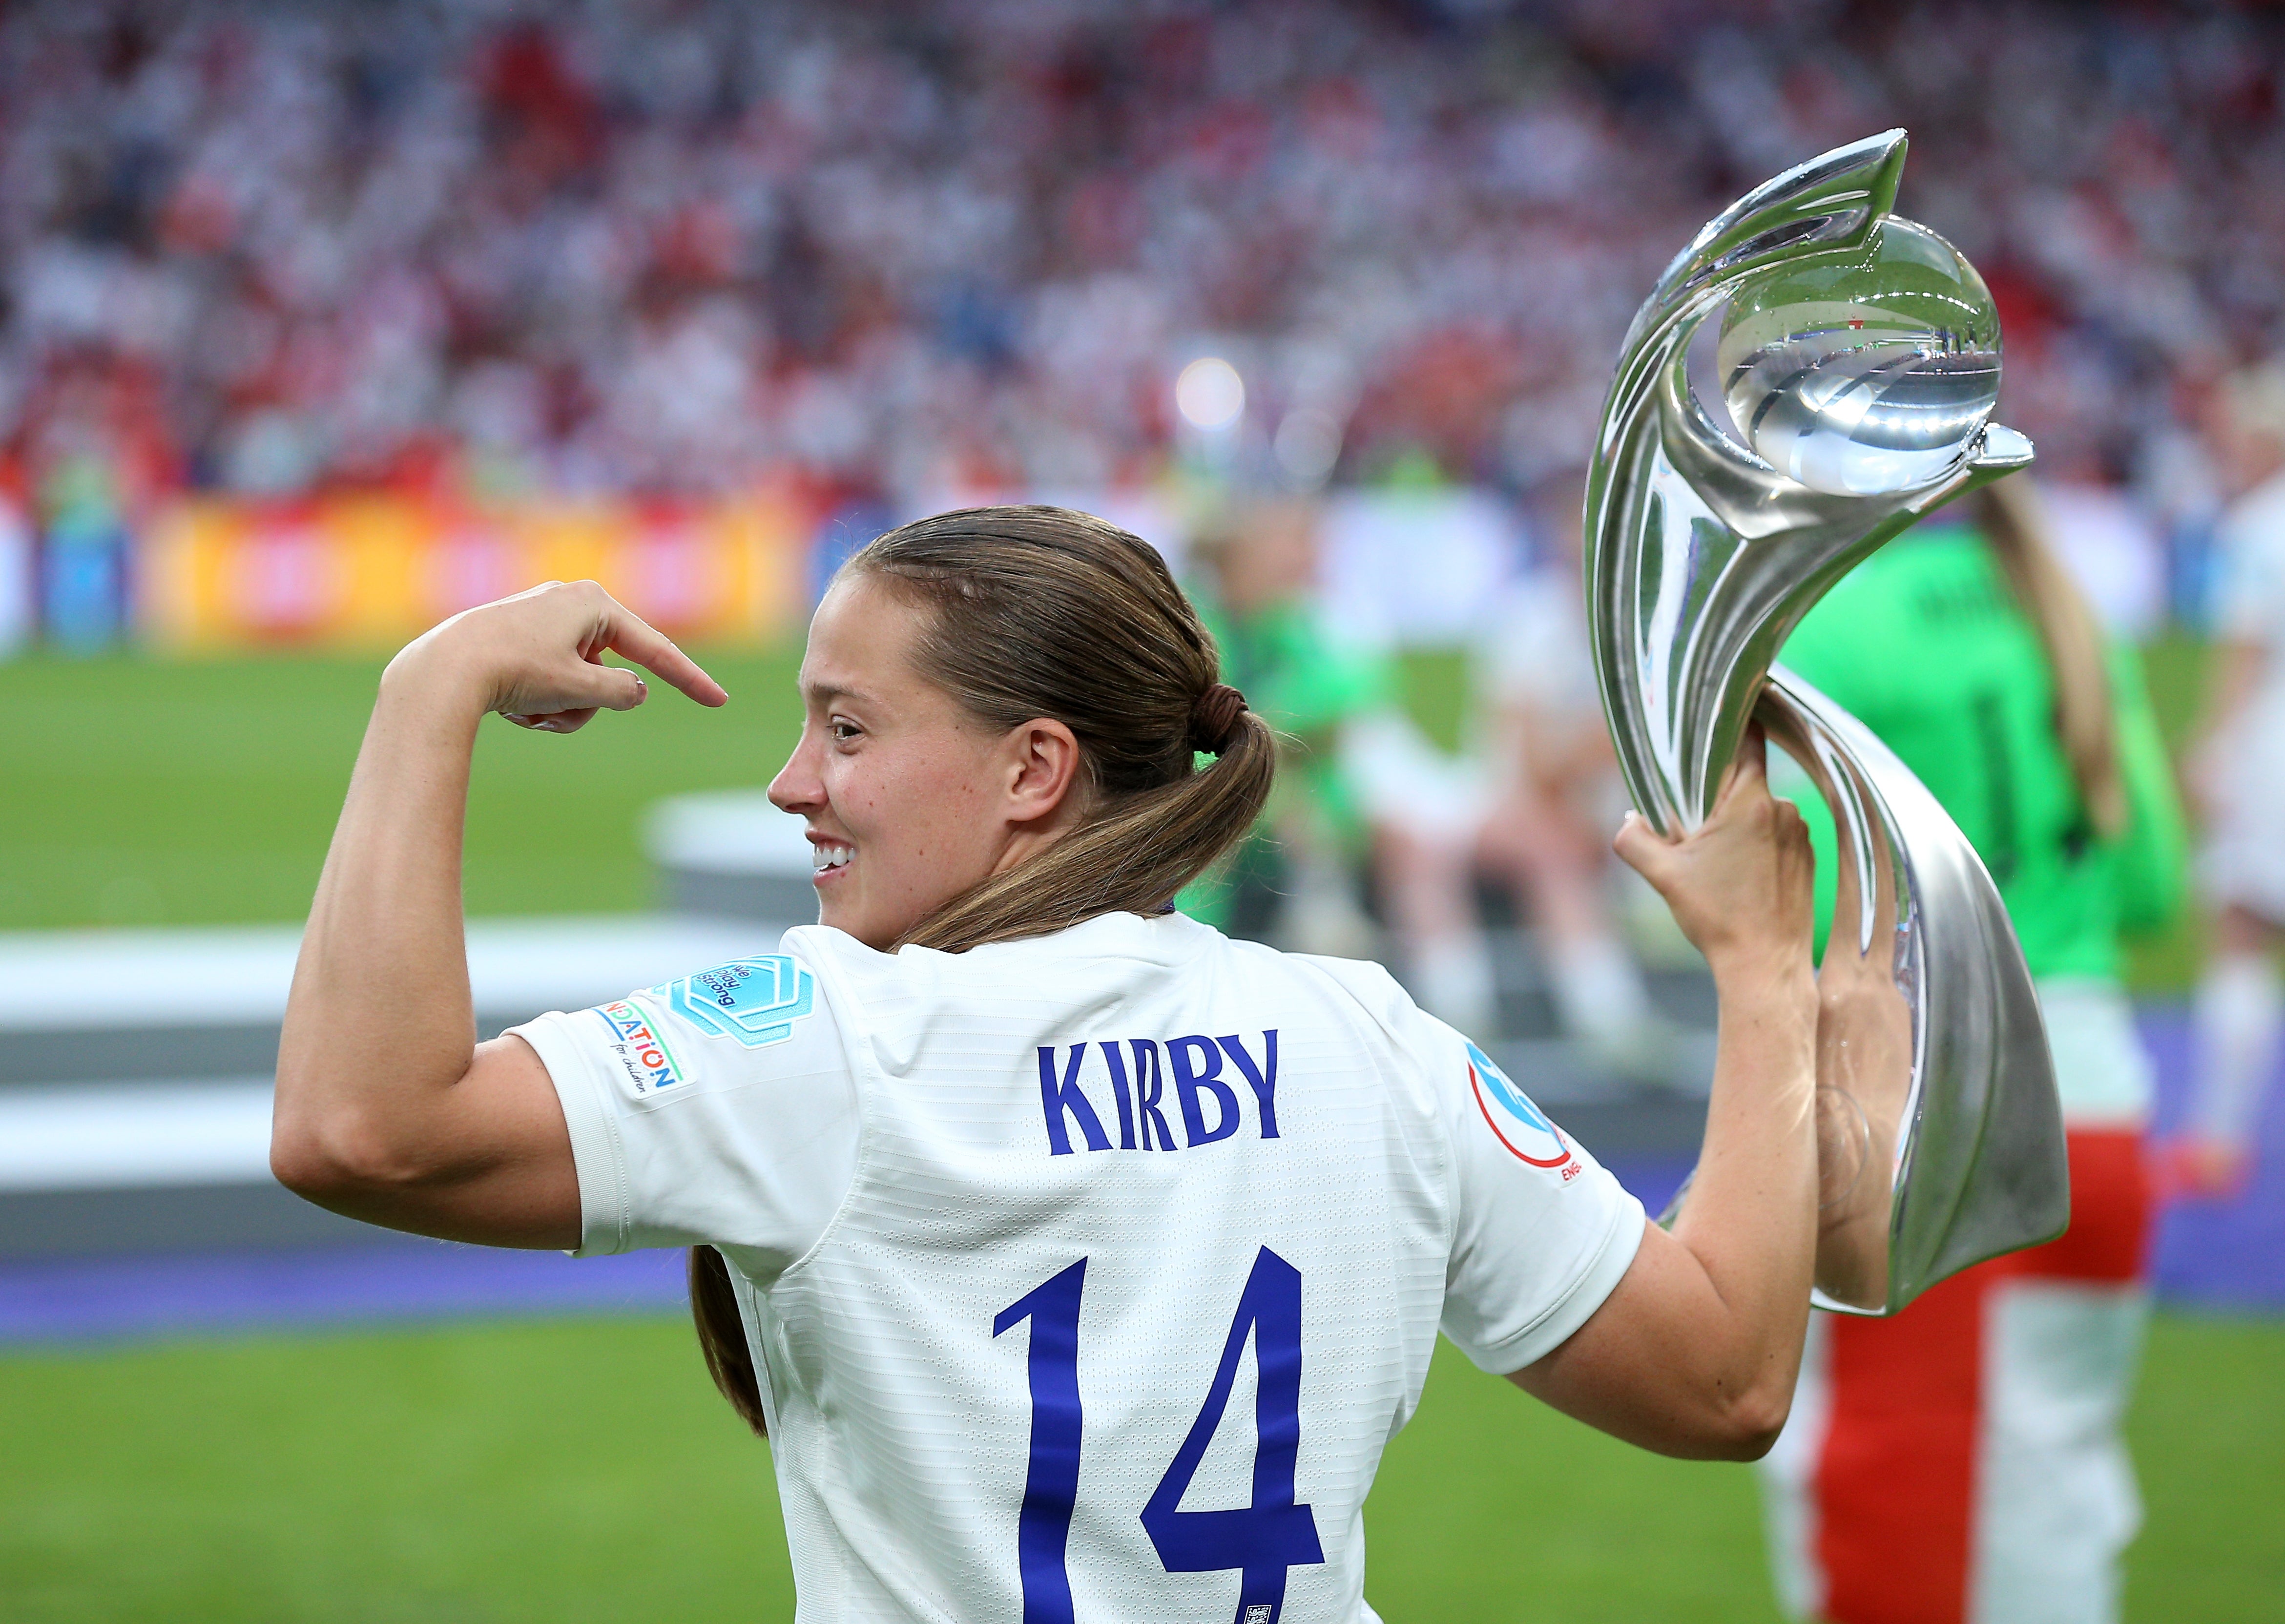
(1210, 395)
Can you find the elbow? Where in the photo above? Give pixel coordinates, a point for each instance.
(334, 1160)
(299, 1160)
(1747, 1427)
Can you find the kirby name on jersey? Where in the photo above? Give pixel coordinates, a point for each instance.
(1136, 1072)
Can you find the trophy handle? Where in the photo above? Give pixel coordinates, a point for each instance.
(1939, 1133)
(1935, 1079)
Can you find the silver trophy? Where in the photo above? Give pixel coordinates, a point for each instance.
(1858, 357)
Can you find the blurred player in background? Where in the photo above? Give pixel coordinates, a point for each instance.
(2238, 774)
(1964, 1461)
(1293, 880)
(1529, 808)
(995, 1174)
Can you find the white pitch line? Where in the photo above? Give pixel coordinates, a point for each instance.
(93, 980)
(125, 1137)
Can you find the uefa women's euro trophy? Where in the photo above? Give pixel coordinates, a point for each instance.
(1858, 355)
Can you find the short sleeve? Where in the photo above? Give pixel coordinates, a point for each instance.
(717, 1108)
(1542, 1233)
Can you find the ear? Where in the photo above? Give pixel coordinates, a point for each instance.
(1043, 769)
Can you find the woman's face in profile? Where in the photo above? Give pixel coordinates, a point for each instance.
(897, 784)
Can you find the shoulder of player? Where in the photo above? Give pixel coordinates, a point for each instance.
(1110, 957)
(1919, 577)
(1452, 1079)
(754, 1018)
(2258, 516)
(761, 1001)
(1373, 1000)
(1366, 981)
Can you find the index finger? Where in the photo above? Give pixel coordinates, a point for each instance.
(625, 633)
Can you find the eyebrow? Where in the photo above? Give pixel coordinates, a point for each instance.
(826, 692)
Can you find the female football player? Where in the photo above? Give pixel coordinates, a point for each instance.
(1008, 1183)
(1965, 1460)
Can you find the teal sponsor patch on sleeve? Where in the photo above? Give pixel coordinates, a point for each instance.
(753, 1002)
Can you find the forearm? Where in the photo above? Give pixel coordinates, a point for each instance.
(379, 1025)
(1695, 1355)
(1696, 1352)
(1750, 1220)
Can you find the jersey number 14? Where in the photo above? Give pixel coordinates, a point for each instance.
(1262, 1540)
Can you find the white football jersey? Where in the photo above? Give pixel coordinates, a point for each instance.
(1088, 1275)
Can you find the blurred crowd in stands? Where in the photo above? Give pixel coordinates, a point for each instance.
(893, 255)
(911, 248)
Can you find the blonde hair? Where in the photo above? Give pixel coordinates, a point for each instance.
(2086, 719)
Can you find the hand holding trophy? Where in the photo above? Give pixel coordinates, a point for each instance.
(1859, 360)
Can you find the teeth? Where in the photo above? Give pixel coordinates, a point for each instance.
(822, 858)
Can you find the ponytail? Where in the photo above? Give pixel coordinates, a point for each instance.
(2085, 720)
(722, 1337)
(1037, 612)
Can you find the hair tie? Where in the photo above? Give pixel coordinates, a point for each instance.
(1214, 718)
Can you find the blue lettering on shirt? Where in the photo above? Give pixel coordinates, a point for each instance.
(1116, 1062)
(1137, 1075)
(1261, 1079)
(1197, 1069)
(1150, 1084)
(1059, 1099)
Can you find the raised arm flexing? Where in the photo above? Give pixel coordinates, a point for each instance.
(387, 1107)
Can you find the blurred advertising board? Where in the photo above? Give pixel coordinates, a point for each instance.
(361, 570)
(373, 570)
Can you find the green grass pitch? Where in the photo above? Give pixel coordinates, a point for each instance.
(575, 1470)
(198, 792)
(204, 791)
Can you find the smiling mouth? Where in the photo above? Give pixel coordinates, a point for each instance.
(829, 860)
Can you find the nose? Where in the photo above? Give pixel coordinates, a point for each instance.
(800, 787)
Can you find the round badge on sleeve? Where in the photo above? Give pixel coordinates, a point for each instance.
(1521, 1126)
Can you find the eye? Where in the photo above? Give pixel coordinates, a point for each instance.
(843, 730)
